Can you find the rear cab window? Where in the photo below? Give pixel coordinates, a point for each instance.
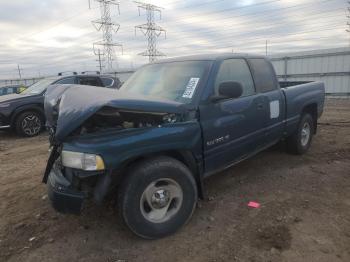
(264, 75)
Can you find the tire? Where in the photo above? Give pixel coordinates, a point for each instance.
(29, 124)
(300, 142)
(157, 197)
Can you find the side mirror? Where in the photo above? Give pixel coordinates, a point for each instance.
(227, 90)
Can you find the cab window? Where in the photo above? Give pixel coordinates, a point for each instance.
(236, 70)
(264, 75)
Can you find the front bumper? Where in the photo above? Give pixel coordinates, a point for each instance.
(63, 197)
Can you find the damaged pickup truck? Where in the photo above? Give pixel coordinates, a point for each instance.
(170, 126)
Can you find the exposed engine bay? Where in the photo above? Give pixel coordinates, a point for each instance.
(68, 112)
(113, 118)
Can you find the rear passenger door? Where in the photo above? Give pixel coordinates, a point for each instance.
(272, 98)
(232, 128)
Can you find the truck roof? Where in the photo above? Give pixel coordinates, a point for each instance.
(209, 57)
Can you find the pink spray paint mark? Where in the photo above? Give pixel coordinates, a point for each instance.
(253, 204)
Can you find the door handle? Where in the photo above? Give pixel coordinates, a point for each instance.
(260, 106)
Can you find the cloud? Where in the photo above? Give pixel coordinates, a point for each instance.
(51, 36)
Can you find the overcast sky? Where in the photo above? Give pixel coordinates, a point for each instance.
(48, 36)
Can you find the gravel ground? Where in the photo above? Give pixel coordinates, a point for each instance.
(304, 213)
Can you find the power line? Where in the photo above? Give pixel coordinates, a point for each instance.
(317, 16)
(151, 30)
(260, 48)
(234, 37)
(272, 23)
(244, 42)
(223, 45)
(185, 7)
(231, 37)
(107, 27)
(264, 37)
(251, 16)
(230, 9)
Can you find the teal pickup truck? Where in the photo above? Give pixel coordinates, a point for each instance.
(170, 126)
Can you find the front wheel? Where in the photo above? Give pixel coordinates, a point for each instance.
(301, 140)
(29, 124)
(157, 197)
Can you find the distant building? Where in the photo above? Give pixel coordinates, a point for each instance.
(331, 66)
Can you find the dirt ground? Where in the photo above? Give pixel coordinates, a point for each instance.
(304, 213)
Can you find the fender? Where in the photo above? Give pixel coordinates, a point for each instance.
(196, 167)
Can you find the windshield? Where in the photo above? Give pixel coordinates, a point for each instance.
(176, 81)
(38, 87)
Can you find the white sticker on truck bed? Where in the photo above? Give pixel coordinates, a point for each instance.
(274, 109)
(191, 87)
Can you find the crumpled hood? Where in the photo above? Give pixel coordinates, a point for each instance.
(76, 103)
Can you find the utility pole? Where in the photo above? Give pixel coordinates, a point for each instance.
(99, 60)
(348, 23)
(19, 72)
(108, 28)
(151, 30)
(266, 48)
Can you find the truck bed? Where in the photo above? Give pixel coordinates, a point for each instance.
(297, 96)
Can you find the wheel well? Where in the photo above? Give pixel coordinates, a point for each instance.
(312, 110)
(184, 157)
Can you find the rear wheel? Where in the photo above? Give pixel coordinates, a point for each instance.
(301, 140)
(157, 197)
(29, 124)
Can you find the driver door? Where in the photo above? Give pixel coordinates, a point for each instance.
(232, 128)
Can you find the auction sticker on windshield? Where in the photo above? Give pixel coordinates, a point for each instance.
(191, 87)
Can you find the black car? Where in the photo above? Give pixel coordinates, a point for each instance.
(24, 112)
(11, 89)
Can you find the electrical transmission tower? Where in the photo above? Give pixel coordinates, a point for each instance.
(108, 28)
(348, 23)
(151, 30)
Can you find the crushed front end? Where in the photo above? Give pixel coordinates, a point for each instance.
(68, 186)
(91, 141)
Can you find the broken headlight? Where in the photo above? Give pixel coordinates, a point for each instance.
(88, 162)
